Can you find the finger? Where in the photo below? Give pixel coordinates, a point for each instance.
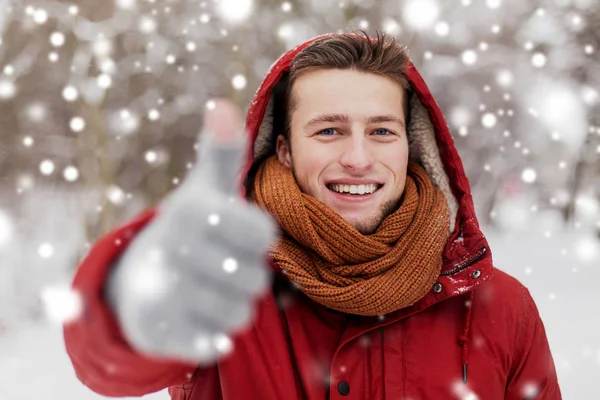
(245, 227)
(218, 310)
(186, 341)
(234, 270)
(205, 214)
(188, 327)
(221, 148)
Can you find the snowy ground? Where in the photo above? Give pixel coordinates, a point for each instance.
(33, 363)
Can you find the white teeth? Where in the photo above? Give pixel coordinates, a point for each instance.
(354, 189)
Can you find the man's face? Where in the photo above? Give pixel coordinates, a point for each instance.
(348, 135)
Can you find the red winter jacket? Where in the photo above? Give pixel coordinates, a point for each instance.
(477, 324)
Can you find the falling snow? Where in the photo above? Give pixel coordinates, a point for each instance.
(421, 14)
(101, 118)
(528, 175)
(46, 167)
(239, 82)
(469, 57)
(77, 124)
(57, 39)
(70, 93)
(46, 250)
(539, 60)
(214, 219)
(230, 265)
(71, 173)
(115, 194)
(489, 120)
(61, 304)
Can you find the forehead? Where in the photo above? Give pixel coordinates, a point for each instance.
(346, 91)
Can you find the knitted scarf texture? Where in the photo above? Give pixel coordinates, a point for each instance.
(337, 266)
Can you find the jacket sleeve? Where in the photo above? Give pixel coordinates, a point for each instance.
(101, 357)
(532, 374)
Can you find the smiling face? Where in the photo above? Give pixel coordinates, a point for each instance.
(348, 139)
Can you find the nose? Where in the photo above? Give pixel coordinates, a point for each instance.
(357, 155)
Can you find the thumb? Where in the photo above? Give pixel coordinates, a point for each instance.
(221, 147)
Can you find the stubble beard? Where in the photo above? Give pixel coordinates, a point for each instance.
(370, 225)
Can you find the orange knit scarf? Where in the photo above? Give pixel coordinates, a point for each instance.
(340, 268)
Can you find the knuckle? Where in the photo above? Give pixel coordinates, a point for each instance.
(261, 279)
(142, 340)
(239, 315)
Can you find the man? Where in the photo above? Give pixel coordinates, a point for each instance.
(383, 282)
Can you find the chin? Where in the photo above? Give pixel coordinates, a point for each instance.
(365, 225)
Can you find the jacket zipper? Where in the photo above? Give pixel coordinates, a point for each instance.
(480, 254)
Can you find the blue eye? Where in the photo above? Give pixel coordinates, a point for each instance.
(382, 132)
(327, 132)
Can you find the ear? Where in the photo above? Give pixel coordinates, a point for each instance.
(284, 153)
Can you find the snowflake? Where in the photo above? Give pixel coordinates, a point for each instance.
(77, 124)
(69, 93)
(239, 82)
(230, 265)
(469, 57)
(421, 14)
(529, 175)
(71, 173)
(61, 303)
(45, 250)
(539, 60)
(235, 11)
(223, 343)
(442, 28)
(47, 167)
(489, 120)
(57, 39)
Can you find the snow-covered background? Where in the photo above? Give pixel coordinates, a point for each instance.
(101, 102)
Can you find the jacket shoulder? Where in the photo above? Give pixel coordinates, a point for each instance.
(513, 312)
(505, 302)
(504, 288)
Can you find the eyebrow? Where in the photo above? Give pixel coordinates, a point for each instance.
(344, 118)
(377, 119)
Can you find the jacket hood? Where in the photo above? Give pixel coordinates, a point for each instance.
(466, 257)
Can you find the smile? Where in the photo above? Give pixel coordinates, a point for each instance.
(355, 190)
